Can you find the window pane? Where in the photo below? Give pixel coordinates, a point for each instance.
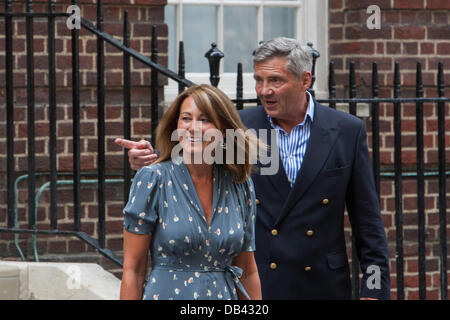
(279, 22)
(169, 14)
(240, 37)
(199, 31)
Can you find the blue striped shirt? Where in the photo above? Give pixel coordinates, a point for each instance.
(292, 146)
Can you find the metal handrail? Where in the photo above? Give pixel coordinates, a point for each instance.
(37, 197)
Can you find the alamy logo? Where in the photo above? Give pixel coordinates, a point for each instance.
(374, 21)
(73, 21)
(232, 153)
(374, 281)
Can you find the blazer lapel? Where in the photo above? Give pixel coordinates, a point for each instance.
(323, 134)
(278, 181)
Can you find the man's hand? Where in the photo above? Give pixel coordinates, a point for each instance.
(140, 154)
(367, 298)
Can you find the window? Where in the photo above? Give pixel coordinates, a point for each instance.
(237, 26)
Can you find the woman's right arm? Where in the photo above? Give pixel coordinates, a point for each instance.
(140, 154)
(135, 249)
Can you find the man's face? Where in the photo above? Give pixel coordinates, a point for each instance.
(281, 93)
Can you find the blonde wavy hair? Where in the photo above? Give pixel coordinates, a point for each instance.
(220, 110)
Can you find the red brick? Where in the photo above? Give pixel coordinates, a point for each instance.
(115, 210)
(113, 162)
(439, 32)
(363, 4)
(443, 48)
(427, 48)
(59, 246)
(92, 145)
(438, 4)
(114, 227)
(87, 162)
(155, 15)
(336, 4)
(76, 246)
(423, 17)
(113, 79)
(355, 17)
(384, 33)
(113, 112)
(410, 48)
(114, 62)
(345, 48)
(410, 63)
(152, 2)
(440, 17)
(390, 17)
(408, 17)
(386, 157)
(409, 4)
(337, 18)
(393, 47)
(409, 32)
(380, 48)
(114, 244)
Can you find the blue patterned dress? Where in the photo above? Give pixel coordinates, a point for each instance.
(191, 260)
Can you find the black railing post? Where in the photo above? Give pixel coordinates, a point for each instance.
(133, 53)
(420, 183)
(76, 127)
(52, 115)
(315, 54)
(30, 119)
(126, 107)
(239, 88)
(352, 88)
(375, 129)
(181, 67)
(101, 127)
(398, 185)
(154, 88)
(214, 56)
(331, 85)
(442, 184)
(9, 65)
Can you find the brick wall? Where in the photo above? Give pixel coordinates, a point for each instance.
(142, 15)
(411, 32)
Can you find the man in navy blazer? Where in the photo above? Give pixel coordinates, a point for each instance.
(324, 166)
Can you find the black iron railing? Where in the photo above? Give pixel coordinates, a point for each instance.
(397, 174)
(128, 53)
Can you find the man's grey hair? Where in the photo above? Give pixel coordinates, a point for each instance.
(299, 58)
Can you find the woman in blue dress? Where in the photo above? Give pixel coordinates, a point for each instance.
(195, 216)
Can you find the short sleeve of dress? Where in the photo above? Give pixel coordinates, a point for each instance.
(141, 211)
(249, 216)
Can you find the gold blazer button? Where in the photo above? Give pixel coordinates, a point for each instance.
(307, 268)
(274, 232)
(273, 266)
(309, 233)
(325, 201)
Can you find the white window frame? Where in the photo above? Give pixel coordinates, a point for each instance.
(311, 26)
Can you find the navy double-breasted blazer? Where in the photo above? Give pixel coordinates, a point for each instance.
(300, 244)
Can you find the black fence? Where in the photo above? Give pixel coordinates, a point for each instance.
(214, 56)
